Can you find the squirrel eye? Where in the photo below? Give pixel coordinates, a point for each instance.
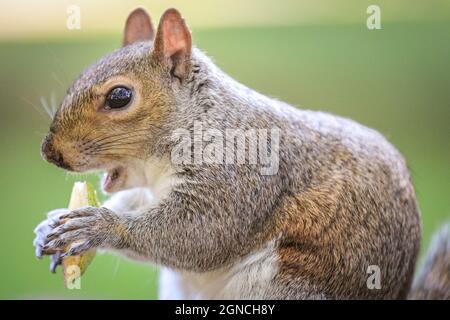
(118, 97)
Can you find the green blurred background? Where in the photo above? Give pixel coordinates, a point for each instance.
(314, 54)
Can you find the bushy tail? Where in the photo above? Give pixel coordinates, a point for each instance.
(433, 280)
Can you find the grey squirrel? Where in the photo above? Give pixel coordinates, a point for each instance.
(339, 198)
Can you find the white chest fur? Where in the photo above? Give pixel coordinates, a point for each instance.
(248, 278)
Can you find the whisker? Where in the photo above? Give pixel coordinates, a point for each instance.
(109, 136)
(88, 133)
(53, 103)
(55, 77)
(121, 147)
(46, 107)
(102, 138)
(95, 151)
(39, 110)
(58, 62)
(118, 147)
(115, 155)
(119, 141)
(114, 149)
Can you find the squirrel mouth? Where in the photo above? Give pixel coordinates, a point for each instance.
(113, 179)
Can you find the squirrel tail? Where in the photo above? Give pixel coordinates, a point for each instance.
(433, 280)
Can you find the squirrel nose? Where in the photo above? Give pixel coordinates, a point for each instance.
(50, 154)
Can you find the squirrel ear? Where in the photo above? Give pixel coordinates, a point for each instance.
(173, 43)
(138, 27)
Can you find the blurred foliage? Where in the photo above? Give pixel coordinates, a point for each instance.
(395, 80)
(48, 17)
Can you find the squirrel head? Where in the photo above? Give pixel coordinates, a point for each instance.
(113, 114)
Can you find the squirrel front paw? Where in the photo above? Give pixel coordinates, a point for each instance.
(84, 229)
(42, 230)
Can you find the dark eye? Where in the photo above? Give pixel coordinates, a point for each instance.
(118, 97)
